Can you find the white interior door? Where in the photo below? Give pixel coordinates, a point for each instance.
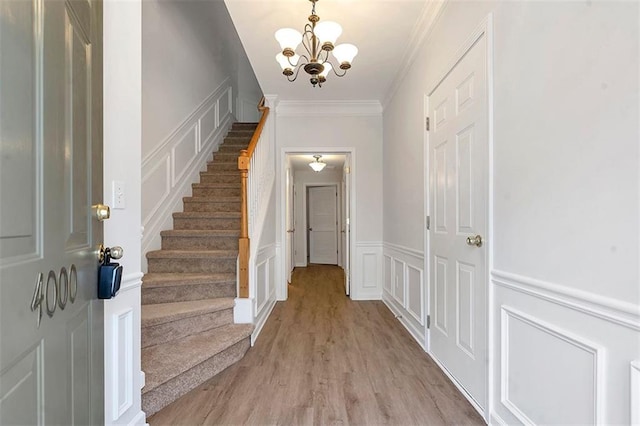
(458, 152)
(289, 224)
(346, 179)
(323, 222)
(51, 355)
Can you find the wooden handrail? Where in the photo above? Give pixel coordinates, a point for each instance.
(244, 161)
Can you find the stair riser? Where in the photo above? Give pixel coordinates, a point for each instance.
(248, 133)
(187, 292)
(206, 265)
(232, 148)
(173, 389)
(219, 178)
(206, 224)
(217, 166)
(237, 139)
(227, 206)
(164, 333)
(243, 126)
(225, 157)
(199, 243)
(216, 192)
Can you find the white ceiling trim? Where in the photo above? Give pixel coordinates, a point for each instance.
(327, 108)
(421, 32)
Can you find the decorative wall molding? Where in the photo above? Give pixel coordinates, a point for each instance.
(170, 169)
(404, 288)
(131, 282)
(265, 282)
(595, 350)
(615, 311)
(329, 108)
(123, 351)
(419, 35)
(367, 271)
(634, 368)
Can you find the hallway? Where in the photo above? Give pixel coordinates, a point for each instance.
(324, 359)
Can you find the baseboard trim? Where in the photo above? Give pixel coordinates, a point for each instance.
(263, 320)
(388, 301)
(139, 419)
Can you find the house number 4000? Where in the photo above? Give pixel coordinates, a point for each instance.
(56, 292)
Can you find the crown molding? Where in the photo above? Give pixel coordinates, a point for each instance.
(327, 108)
(421, 32)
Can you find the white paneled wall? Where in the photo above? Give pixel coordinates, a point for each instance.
(561, 356)
(404, 288)
(367, 271)
(170, 169)
(265, 286)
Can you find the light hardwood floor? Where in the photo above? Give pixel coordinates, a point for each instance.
(325, 359)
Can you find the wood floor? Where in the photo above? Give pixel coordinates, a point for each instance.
(324, 359)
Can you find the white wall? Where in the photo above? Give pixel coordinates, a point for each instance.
(194, 68)
(564, 279)
(300, 179)
(344, 125)
(122, 156)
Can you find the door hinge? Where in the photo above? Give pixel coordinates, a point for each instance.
(428, 223)
(426, 124)
(428, 321)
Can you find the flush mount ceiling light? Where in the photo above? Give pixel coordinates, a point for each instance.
(318, 41)
(317, 165)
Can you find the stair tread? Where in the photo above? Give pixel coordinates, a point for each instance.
(166, 361)
(163, 313)
(204, 233)
(222, 172)
(165, 279)
(212, 199)
(207, 215)
(191, 254)
(232, 185)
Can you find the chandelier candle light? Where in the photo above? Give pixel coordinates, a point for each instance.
(318, 40)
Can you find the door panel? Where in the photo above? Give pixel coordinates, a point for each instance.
(458, 145)
(323, 239)
(50, 174)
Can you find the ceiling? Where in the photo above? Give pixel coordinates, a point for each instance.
(381, 29)
(301, 161)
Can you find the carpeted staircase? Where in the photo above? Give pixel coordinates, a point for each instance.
(188, 334)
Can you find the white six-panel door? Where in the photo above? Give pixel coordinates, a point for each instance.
(51, 345)
(458, 182)
(323, 214)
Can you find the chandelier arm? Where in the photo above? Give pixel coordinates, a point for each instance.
(336, 72)
(295, 75)
(301, 62)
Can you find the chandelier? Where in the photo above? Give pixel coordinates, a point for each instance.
(318, 41)
(317, 165)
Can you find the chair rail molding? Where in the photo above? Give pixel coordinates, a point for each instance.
(616, 311)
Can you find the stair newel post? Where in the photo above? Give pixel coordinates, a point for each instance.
(243, 252)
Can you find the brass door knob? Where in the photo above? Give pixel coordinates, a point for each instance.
(475, 241)
(101, 212)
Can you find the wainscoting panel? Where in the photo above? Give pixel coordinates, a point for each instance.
(559, 358)
(405, 289)
(122, 345)
(398, 281)
(635, 392)
(366, 278)
(123, 376)
(170, 169)
(265, 286)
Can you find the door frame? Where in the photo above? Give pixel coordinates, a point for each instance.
(305, 219)
(282, 291)
(485, 28)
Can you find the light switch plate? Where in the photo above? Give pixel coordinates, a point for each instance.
(118, 195)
